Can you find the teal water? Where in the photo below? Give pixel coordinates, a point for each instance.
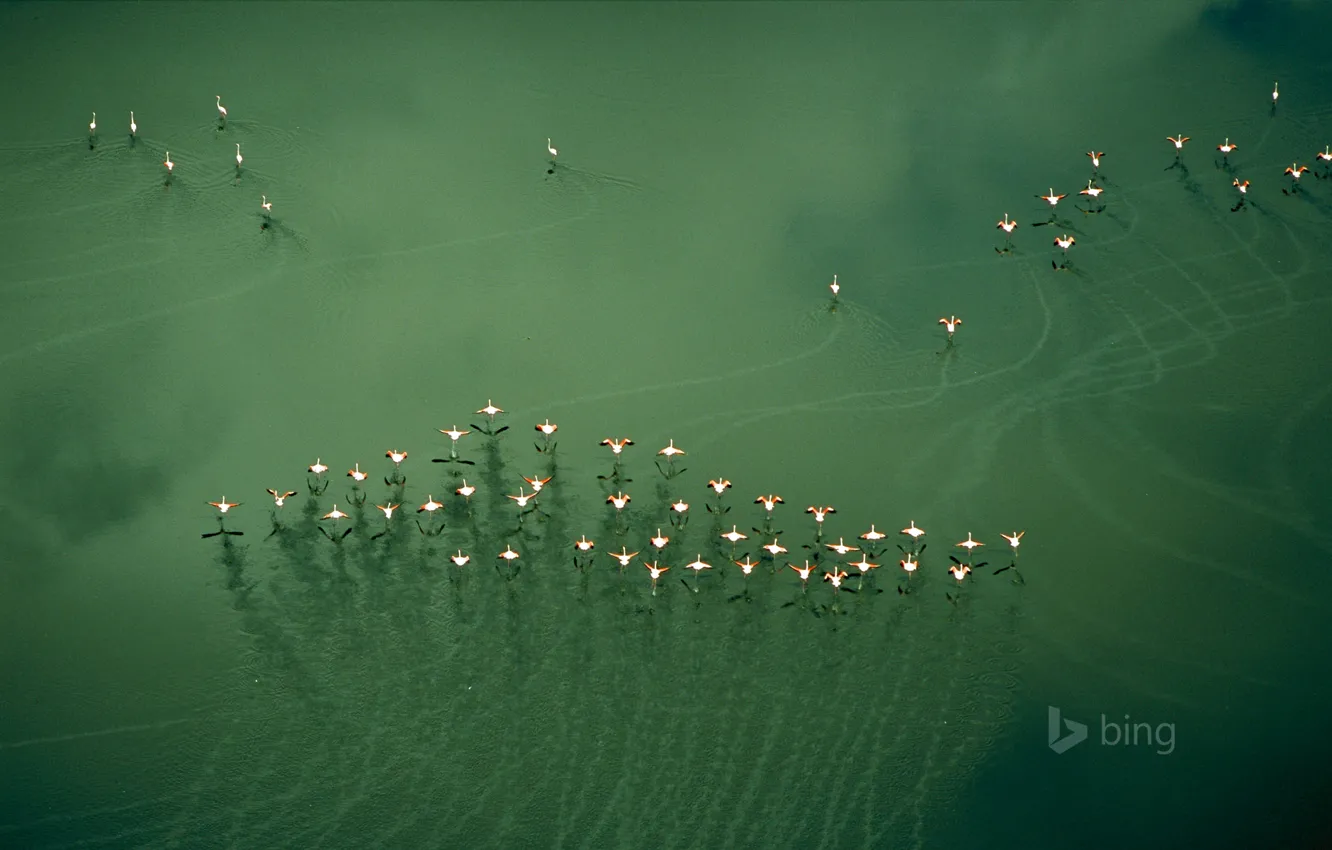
(1153, 416)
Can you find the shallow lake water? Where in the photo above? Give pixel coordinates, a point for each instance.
(1150, 409)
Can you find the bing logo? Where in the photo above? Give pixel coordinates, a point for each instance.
(1126, 734)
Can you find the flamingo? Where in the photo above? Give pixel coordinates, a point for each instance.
(553, 153)
(279, 499)
(239, 158)
(134, 128)
(170, 166)
(92, 125)
(224, 506)
(221, 110)
(1052, 199)
(655, 572)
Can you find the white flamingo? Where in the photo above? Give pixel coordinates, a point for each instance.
(221, 110)
(92, 126)
(170, 166)
(553, 153)
(239, 158)
(134, 128)
(266, 205)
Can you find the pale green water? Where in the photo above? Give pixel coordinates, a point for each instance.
(1154, 418)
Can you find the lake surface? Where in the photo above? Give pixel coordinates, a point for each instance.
(1151, 410)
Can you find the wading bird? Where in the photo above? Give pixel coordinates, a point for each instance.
(387, 511)
(873, 535)
(223, 507)
(1053, 200)
(335, 515)
(913, 532)
(1178, 142)
(1243, 188)
(1294, 171)
(820, 514)
(491, 411)
(655, 572)
(317, 469)
(909, 564)
(547, 430)
(1014, 540)
(769, 502)
(1093, 192)
(950, 324)
(698, 566)
(454, 436)
(679, 513)
(466, 491)
(617, 446)
(1008, 225)
(1064, 243)
(969, 544)
(430, 507)
(804, 573)
(509, 556)
(537, 482)
(670, 452)
(841, 548)
(583, 546)
(659, 542)
(719, 487)
(735, 536)
(280, 499)
(397, 457)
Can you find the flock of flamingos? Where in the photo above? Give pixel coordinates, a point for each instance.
(830, 561)
(834, 571)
